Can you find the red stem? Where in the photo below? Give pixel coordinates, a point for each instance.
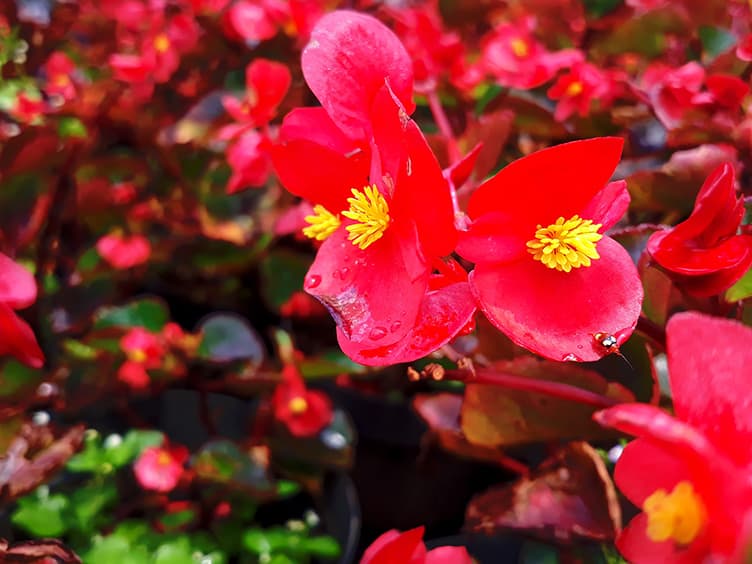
(546, 387)
(442, 122)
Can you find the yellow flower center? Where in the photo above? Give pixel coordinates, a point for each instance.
(519, 47)
(371, 212)
(161, 43)
(137, 355)
(574, 88)
(164, 458)
(566, 244)
(678, 516)
(298, 405)
(323, 223)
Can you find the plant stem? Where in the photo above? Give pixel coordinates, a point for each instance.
(513, 382)
(442, 122)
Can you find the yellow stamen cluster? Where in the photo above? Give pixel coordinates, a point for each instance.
(298, 405)
(679, 515)
(323, 223)
(519, 47)
(161, 43)
(164, 458)
(575, 88)
(370, 211)
(566, 244)
(136, 355)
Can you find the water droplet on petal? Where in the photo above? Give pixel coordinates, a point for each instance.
(336, 274)
(579, 346)
(571, 357)
(377, 333)
(344, 272)
(395, 326)
(312, 281)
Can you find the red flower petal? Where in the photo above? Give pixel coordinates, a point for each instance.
(448, 555)
(635, 546)
(17, 339)
(373, 294)
(555, 314)
(319, 174)
(249, 158)
(443, 314)
(267, 83)
(556, 182)
(124, 252)
(709, 363)
(17, 286)
(314, 124)
(644, 467)
(134, 375)
(348, 59)
(422, 195)
(393, 547)
(609, 205)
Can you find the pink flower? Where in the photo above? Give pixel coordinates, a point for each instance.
(517, 60)
(408, 548)
(123, 252)
(160, 468)
(18, 290)
(577, 90)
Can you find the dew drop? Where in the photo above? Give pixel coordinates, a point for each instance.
(312, 281)
(377, 333)
(571, 357)
(395, 326)
(336, 274)
(409, 166)
(344, 273)
(579, 346)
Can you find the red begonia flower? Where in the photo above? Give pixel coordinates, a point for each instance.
(18, 290)
(346, 63)
(744, 48)
(408, 548)
(249, 160)
(704, 255)
(304, 412)
(266, 85)
(515, 58)
(671, 91)
(544, 272)
(381, 204)
(689, 473)
(160, 468)
(436, 52)
(577, 89)
(58, 71)
(28, 108)
(254, 21)
(123, 252)
(726, 91)
(144, 350)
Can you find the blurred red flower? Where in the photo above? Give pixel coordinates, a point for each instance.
(160, 468)
(18, 290)
(515, 58)
(248, 154)
(304, 412)
(689, 473)
(582, 85)
(58, 71)
(381, 204)
(122, 251)
(408, 548)
(704, 255)
(28, 108)
(544, 272)
(144, 350)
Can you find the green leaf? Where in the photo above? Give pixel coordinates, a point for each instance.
(115, 548)
(741, 290)
(282, 273)
(133, 444)
(715, 40)
(90, 502)
(150, 313)
(600, 8)
(222, 461)
(228, 337)
(17, 378)
(176, 552)
(41, 514)
(70, 126)
(257, 542)
(323, 547)
(104, 456)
